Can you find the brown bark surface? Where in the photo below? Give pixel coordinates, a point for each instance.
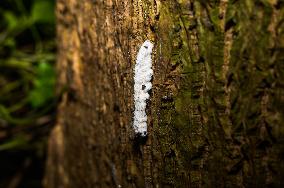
(216, 108)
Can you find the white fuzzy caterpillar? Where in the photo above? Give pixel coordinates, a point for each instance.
(142, 85)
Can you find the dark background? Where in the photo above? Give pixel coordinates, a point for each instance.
(27, 89)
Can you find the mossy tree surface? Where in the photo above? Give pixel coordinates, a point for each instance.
(215, 115)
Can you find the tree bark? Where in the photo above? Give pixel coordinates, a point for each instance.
(215, 117)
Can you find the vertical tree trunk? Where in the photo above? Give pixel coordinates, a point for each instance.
(216, 108)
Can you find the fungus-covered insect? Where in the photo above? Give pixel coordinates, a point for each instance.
(142, 85)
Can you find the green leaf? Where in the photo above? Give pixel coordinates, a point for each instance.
(44, 85)
(10, 42)
(43, 11)
(5, 114)
(17, 142)
(11, 20)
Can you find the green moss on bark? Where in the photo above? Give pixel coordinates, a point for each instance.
(218, 118)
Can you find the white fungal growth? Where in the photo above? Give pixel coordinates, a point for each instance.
(142, 85)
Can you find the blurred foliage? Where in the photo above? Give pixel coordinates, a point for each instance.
(27, 75)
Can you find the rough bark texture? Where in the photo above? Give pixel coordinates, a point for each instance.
(216, 109)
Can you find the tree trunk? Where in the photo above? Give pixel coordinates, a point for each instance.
(215, 116)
